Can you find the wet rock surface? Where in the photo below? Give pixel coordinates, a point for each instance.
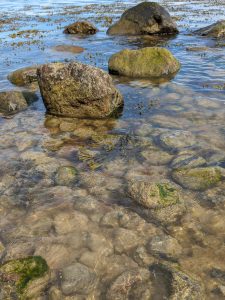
(78, 90)
(12, 102)
(216, 30)
(145, 18)
(82, 27)
(24, 76)
(147, 62)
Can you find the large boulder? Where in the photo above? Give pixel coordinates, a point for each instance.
(216, 30)
(78, 90)
(150, 62)
(82, 27)
(145, 18)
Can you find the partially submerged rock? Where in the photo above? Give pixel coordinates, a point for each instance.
(198, 178)
(147, 62)
(24, 76)
(145, 18)
(153, 195)
(69, 48)
(12, 102)
(20, 272)
(66, 175)
(216, 30)
(78, 90)
(82, 27)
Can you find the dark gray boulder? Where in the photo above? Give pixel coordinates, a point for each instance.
(146, 18)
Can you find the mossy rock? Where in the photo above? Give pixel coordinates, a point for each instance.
(19, 273)
(150, 62)
(198, 178)
(216, 30)
(24, 76)
(66, 175)
(153, 195)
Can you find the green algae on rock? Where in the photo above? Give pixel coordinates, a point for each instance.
(66, 175)
(20, 272)
(197, 178)
(24, 76)
(153, 195)
(216, 30)
(149, 62)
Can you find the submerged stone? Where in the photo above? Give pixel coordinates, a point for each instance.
(66, 175)
(69, 48)
(178, 285)
(24, 76)
(81, 28)
(216, 30)
(12, 102)
(149, 62)
(145, 18)
(20, 272)
(198, 178)
(78, 90)
(177, 139)
(153, 195)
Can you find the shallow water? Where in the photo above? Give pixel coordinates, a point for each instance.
(40, 216)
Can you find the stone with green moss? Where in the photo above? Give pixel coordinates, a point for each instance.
(66, 175)
(198, 178)
(17, 274)
(150, 62)
(153, 195)
(216, 30)
(24, 76)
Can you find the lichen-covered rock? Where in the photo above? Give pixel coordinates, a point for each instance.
(152, 62)
(12, 102)
(20, 272)
(24, 76)
(77, 278)
(144, 18)
(81, 28)
(177, 284)
(165, 246)
(121, 288)
(78, 90)
(66, 175)
(198, 178)
(153, 195)
(216, 30)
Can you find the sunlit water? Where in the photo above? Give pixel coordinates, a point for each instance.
(38, 216)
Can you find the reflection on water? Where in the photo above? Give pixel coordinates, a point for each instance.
(63, 187)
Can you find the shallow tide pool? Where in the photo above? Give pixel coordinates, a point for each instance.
(64, 183)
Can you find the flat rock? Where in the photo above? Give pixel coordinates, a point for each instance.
(77, 278)
(198, 178)
(216, 30)
(80, 28)
(69, 48)
(78, 90)
(177, 139)
(150, 62)
(145, 18)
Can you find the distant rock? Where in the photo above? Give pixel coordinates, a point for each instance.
(147, 62)
(216, 30)
(69, 48)
(24, 76)
(80, 28)
(12, 102)
(78, 90)
(146, 18)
